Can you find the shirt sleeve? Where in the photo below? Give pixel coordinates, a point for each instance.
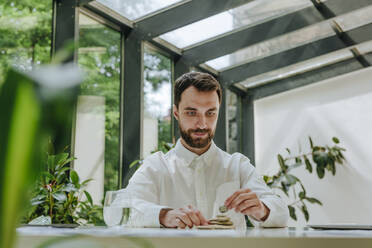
(249, 178)
(144, 189)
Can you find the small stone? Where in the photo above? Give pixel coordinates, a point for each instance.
(223, 209)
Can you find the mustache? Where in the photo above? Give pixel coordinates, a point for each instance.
(198, 130)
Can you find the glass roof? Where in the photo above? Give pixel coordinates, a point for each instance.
(248, 14)
(135, 9)
(272, 46)
(307, 65)
(291, 40)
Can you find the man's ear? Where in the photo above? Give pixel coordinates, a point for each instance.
(175, 112)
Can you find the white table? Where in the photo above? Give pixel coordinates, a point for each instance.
(154, 237)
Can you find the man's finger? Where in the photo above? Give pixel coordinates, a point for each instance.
(251, 211)
(192, 215)
(185, 219)
(203, 221)
(179, 223)
(246, 204)
(242, 197)
(231, 198)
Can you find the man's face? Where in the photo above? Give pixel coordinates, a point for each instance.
(197, 115)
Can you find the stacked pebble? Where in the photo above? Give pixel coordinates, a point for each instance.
(222, 221)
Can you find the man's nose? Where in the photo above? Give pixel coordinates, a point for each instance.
(202, 124)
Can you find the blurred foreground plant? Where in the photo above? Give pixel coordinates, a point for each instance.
(33, 107)
(324, 158)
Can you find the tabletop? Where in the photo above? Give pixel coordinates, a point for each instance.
(162, 237)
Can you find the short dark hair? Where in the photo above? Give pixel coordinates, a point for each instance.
(201, 81)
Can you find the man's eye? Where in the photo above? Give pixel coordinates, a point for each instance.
(211, 113)
(191, 113)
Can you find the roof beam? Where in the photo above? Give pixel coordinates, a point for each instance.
(306, 78)
(238, 39)
(183, 14)
(84, 2)
(292, 56)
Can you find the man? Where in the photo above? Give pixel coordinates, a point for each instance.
(187, 185)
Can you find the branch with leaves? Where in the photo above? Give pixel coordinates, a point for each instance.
(324, 158)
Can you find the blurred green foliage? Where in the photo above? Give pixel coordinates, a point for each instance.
(324, 158)
(25, 34)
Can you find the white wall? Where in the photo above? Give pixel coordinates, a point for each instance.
(90, 143)
(341, 107)
(150, 136)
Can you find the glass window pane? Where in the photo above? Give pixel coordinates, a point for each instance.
(157, 102)
(25, 33)
(97, 120)
(247, 14)
(273, 46)
(134, 9)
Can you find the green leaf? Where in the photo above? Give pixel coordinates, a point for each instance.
(134, 163)
(305, 212)
(320, 171)
(308, 165)
(313, 200)
(89, 197)
(284, 188)
(61, 158)
(292, 212)
(74, 177)
(298, 160)
(69, 187)
(311, 142)
(85, 182)
(302, 195)
(336, 140)
(59, 196)
(289, 151)
(62, 171)
(20, 140)
(320, 157)
(331, 165)
(291, 179)
(266, 179)
(281, 162)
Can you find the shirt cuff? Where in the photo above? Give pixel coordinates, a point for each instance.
(148, 217)
(274, 219)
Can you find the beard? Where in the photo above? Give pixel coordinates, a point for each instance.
(198, 142)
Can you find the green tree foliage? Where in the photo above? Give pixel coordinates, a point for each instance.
(25, 34)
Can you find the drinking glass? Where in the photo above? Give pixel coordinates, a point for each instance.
(117, 207)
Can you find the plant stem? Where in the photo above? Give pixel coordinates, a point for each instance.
(298, 156)
(50, 206)
(295, 202)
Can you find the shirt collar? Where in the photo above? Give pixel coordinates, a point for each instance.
(188, 156)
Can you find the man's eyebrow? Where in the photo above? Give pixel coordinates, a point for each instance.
(212, 109)
(190, 108)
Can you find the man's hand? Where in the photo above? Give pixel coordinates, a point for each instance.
(182, 217)
(247, 202)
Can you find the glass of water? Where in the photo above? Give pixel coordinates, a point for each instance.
(117, 207)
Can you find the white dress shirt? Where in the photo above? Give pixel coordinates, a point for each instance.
(181, 177)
